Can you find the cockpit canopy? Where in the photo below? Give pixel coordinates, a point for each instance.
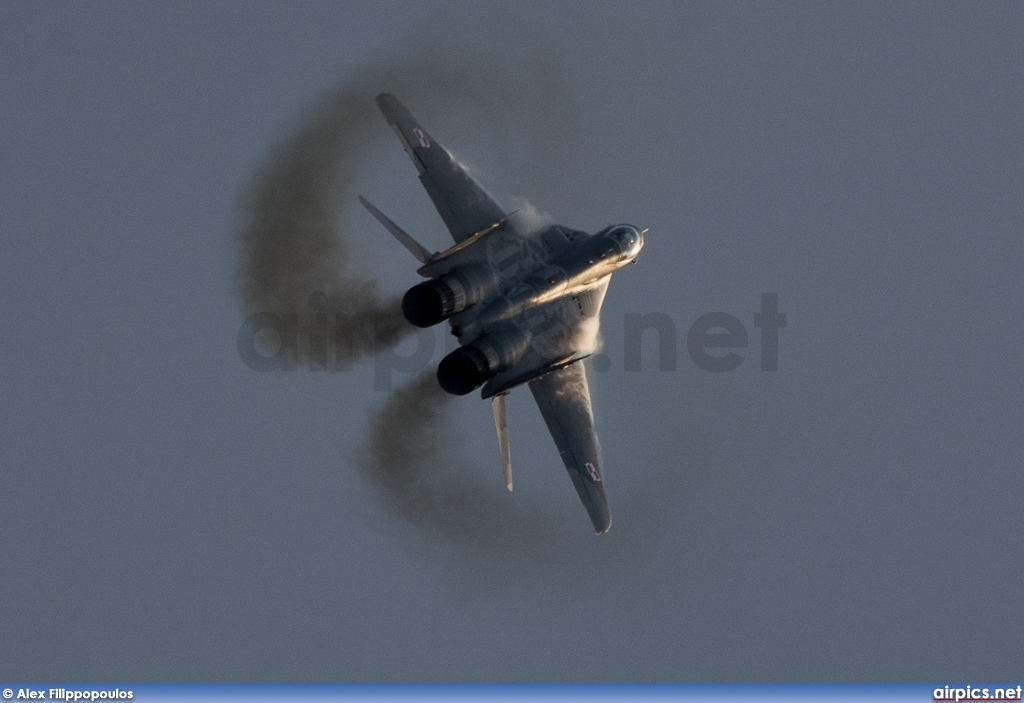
(628, 239)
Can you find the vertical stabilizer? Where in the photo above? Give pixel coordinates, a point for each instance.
(403, 237)
(498, 406)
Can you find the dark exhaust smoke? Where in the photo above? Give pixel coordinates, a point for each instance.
(296, 241)
(297, 256)
(409, 460)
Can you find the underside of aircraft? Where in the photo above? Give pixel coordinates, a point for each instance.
(524, 302)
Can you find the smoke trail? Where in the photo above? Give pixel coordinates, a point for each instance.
(419, 481)
(297, 255)
(460, 512)
(296, 251)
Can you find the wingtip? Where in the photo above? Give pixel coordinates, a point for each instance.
(597, 508)
(391, 107)
(602, 521)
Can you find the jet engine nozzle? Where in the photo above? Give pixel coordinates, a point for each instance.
(435, 300)
(469, 367)
(463, 370)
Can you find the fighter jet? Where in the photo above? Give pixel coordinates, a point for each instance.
(522, 298)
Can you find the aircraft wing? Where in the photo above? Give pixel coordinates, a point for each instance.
(465, 207)
(563, 397)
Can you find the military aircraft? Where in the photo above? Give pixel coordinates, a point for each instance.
(522, 297)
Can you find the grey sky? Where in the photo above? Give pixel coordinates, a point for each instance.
(168, 514)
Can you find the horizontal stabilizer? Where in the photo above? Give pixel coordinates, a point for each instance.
(403, 237)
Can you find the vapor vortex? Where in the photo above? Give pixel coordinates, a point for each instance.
(294, 246)
(405, 464)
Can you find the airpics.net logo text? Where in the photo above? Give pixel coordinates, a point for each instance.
(977, 693)
(268, 342)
